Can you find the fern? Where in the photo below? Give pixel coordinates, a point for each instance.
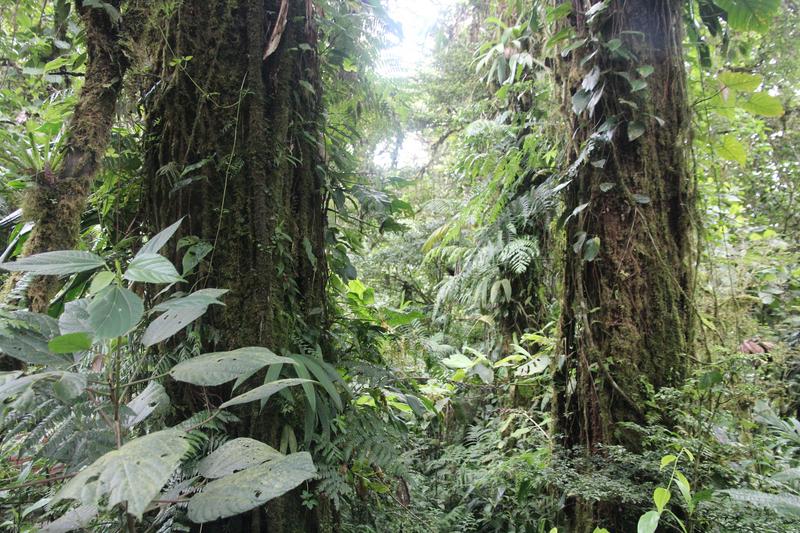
(518, 254)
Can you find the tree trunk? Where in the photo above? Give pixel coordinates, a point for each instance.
(246, 116)
(56, 201)
(626, 323)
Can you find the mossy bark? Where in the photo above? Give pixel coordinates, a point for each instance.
(627, 319)
(58, 196)
(253, 126)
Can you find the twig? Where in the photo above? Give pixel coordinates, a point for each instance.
(39, 482)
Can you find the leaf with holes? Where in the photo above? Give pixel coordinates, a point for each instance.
(75, 317)
(194, 254)
(250, 488)
(170, 323)
(134, 474)
(216, 368)
(152, 398)
(201, 298)
(236, 455)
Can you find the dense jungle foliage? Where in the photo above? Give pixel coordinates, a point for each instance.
(261, 275)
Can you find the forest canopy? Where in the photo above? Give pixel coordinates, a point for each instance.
(393, 265)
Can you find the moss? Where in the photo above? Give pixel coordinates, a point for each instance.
(56, 201)
(627, 322)
(257, 202)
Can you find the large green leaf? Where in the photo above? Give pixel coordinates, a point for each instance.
(56, 263)
(458, 360)
(763, 104)
(308, 388)
(740, 81)
(70, 386)
(133, 474)
(201, 298)
(236, 455)
(179, 313)
(75, 318)
(749, 15)
(245, 490)
(25, 335)
(217, 368)
(19, 384)
(325, 374)
(152, 398)
(169, 323)
(731, 149)
(151, 268)
(648, 522)
(264, 391)
(159, 240)
(74, 519)
(114, 312)
(70, 343)
(661, 497)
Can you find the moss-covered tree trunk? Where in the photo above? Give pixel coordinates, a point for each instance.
(58, 197)
(627, 312)
(233, 131)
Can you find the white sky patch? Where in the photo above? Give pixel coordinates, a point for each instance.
(409, 53)
(413, 152)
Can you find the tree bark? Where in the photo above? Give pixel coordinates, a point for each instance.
(247, 116)
(627, 318)
(58, 197)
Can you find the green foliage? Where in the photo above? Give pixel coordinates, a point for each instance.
(221, 367)
(251, 487)
(117, 454)
(424, 403)
(132, 475)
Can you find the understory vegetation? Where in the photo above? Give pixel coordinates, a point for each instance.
(257, 277)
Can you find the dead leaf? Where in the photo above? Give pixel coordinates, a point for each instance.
(277, 31)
